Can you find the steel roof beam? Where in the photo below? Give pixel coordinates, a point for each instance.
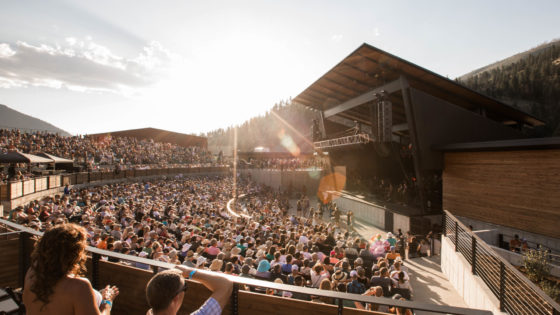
(364, 98)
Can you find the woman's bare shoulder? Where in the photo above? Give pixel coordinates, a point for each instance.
(74, 285)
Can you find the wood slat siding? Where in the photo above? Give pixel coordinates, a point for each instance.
(9, 260)
(16, 190)
(519, 189)
(4, 192)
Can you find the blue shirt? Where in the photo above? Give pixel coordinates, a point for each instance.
(210, 307)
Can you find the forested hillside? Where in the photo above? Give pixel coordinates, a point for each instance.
(529, 81)
(279, 129)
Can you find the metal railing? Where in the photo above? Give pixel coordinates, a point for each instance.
(516, 293)
(361, 138)
(96, 255)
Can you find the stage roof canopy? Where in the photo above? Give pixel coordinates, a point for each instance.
(368, 68)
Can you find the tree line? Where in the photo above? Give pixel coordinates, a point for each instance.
(532, 84)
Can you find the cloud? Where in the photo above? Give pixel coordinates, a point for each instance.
(376, 31)
(6, 51)
(81, 65)
(336, 37)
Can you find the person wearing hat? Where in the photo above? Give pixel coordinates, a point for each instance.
(293, 275)
(338, 277)
(189, 259)
(392, 241)
(200, 261)
(263, 270)
(355, 286)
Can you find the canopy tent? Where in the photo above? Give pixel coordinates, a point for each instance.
(19, 157)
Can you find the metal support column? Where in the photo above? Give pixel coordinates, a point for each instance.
(502, 286)
(95, 270)
(235, 299)
(23, 260)
(473, 255)
(456, 236)
(405, 89)
(322, 125)
(340, 306)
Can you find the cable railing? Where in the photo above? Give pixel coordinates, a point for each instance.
(516, 293)
(11, 228)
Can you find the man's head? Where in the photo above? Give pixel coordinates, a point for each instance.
(384, 272)
(166, 289)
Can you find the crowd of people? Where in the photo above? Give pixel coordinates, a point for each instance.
(99, 151)
(184, 221)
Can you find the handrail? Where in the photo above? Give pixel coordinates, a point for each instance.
(503, 262)
(93, 177)
(283, 287)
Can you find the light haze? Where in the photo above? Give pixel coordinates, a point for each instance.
(192, 67)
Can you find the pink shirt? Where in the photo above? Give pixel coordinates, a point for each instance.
(212, 250)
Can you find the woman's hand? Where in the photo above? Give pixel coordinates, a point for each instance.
(109, 293)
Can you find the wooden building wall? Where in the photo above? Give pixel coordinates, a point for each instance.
(518, 189)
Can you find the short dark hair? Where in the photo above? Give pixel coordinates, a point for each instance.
(162, 288)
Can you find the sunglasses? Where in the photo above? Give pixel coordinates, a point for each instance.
(183, 288)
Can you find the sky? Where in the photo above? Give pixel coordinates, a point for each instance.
(196, 66)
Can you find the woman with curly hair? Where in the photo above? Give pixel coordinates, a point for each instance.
(53, 284)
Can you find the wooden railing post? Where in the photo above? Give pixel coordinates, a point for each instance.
(235, 299)
(340, 306)
(95, 270)
(473, 255)
(502, 286)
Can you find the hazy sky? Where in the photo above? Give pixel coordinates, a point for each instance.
(186, 66)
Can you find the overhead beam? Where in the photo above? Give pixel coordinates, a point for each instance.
(364, 98)
(400, 127)
(354, 118)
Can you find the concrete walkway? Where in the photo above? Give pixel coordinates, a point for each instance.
(430, 285)
(428, 282)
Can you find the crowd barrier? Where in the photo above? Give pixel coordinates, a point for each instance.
(16, 244)
(17, 189)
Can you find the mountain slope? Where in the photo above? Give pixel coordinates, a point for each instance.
(509, 60)
(529, 81)
(12, 119)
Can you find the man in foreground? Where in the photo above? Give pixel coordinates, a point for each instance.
(166, 290)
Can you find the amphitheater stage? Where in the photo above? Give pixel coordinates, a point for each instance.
(384, 215)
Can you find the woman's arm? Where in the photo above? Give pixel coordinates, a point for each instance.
(83, 299)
